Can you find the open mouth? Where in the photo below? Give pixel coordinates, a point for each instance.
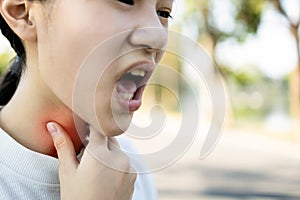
(130, 88)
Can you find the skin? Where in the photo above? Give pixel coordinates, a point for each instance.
(58, 37)
(74, 175)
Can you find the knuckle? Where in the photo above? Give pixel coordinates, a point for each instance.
(134, 176)
(133, 170)
(59, 141)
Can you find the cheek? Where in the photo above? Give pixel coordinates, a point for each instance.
(108, 120)
(62, 50)
(63, 46)
(103, 105)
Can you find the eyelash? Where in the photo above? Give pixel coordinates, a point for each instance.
(129, 2)
(163, 13)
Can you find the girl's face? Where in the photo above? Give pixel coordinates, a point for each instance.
(133, 34)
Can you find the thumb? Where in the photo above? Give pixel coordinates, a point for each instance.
(65, 149)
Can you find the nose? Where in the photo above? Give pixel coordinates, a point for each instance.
(149, 33)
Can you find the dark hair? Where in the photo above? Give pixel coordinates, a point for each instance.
(11, 79)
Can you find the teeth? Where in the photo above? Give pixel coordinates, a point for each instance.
(126, 96)
(138, 72)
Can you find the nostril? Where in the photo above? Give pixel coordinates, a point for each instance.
(147, 47)
(150, 39)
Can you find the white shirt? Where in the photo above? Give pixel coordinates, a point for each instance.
(26, 174)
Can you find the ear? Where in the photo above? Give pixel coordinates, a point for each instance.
(17, 15)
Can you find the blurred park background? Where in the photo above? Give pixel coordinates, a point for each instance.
(255, 45)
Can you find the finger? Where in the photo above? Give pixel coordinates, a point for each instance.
(132, 170)
(132, 179)
(113, 144)
(97, 139)
(65, 149)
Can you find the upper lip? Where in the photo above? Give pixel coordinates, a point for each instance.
(141, 65)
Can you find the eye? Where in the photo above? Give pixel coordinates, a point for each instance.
(129, 2)
(164, 14)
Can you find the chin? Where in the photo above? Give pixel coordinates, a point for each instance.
(116, 128)
(114, 131)
(113, 124)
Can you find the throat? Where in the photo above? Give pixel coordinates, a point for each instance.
(29, 127)
(27, 113)
(72, 124)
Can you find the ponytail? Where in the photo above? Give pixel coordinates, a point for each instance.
(11, 79)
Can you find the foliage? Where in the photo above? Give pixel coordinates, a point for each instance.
(4, 60)
(246, 15)
(246, 18)
(254, 96)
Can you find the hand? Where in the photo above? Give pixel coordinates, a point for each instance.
(90, 179)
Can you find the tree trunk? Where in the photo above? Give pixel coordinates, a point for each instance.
(295, 79)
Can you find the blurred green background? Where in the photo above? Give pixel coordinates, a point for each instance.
(255, 44)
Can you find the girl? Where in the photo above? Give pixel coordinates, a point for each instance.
(52, 38)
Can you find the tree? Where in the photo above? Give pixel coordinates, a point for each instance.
(294, 26)
(246, 16)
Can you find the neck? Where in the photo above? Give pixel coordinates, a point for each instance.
(25, 117)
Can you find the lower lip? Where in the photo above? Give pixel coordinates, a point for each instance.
(134, 104)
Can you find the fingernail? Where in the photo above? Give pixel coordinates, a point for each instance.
(52, 128)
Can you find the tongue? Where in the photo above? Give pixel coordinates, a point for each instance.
(126, 86)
